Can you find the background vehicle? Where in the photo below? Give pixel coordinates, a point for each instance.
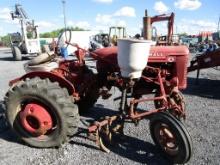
(27, 41)
(103, 40)
(99, 41)
(116, 32)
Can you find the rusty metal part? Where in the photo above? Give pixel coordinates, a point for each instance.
(203, 61)
(206, 60)
(175, 104)
(104, 131)
(100, 143)
(147, 24)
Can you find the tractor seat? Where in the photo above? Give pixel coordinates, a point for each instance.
(41, 63)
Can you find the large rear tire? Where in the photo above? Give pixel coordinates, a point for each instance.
(170, 135)
(41, 112)
(16, 52)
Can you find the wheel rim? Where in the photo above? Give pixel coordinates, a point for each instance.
(166, 139)
(35, 119)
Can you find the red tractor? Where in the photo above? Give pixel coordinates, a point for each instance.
(43, 107)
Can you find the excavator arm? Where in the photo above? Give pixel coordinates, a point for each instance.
(148, 21)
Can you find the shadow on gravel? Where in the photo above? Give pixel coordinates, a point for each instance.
(205, 88)
(11, 59)
(7, 52)
(128, 147)
(6, 59)
(139, 151)
(131, 148)
(5, 131)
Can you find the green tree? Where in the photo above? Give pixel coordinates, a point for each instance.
(55, 33)
(5, 40)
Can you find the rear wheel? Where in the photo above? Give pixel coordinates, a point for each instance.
(16, 52)
(41, 112)
(170, 135)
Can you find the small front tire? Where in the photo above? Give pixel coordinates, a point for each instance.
(170, 135)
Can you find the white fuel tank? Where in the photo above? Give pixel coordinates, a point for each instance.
(133, 56)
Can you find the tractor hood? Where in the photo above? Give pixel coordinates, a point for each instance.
(157, 54)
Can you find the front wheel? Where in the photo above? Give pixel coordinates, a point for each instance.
(41, 113)
(16, 52)
(170, 135)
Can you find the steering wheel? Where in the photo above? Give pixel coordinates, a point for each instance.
(64, 39)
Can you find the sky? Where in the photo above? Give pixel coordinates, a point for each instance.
(191, 16)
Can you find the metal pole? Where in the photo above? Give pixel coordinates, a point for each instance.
(218, 23)
(64, 18)
(64, 12)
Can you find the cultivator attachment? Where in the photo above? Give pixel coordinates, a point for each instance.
(104, 132)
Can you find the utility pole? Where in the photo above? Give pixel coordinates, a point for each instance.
(218, 23)
(64, 13)
(176, 29)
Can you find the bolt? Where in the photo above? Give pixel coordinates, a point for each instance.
(31, 109)
(45, 123)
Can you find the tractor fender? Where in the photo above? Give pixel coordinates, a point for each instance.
(64, 83)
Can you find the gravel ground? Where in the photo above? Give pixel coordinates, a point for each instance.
(202, 122)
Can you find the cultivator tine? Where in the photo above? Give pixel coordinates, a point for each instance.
(100, 143)
(177, 103)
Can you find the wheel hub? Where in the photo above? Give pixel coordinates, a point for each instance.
(167, 140)
(36, 119)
